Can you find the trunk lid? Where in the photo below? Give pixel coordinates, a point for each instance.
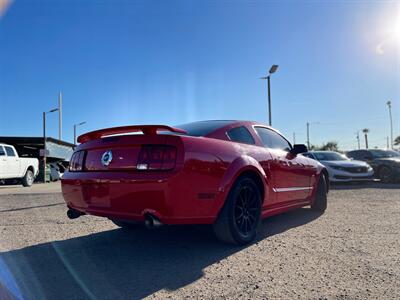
(144, 151)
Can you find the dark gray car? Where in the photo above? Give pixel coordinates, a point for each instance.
(386, 163)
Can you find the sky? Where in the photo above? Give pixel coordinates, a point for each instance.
(172, 62)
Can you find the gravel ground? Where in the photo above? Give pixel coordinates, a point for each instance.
(350, 252)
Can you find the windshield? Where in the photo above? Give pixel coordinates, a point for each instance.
(330, 156)
(384, 153)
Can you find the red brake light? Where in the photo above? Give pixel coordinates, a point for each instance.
(76, 163)
(155, 157)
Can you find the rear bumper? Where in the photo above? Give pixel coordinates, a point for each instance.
(130, 196)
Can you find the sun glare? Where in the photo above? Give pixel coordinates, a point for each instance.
(390, 34)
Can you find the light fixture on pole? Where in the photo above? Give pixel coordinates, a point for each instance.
(272, 70)
(76, 125)
(44, 141)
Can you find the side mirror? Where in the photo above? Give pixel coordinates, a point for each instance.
(299, 148)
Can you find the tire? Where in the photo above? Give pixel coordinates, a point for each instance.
(385, 174)
(321, 199)
(28, 178)
(240, 216)
(127, 225)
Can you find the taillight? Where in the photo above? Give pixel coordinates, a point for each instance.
(76, 163)
(156, 157)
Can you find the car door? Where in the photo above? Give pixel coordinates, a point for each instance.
(12, 162)
(3, 163)
(290, 173)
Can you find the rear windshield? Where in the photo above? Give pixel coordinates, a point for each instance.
(203, 128)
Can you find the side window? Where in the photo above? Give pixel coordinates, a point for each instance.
(273, 140)
(2, 153)
(10, 151)
(241, 135)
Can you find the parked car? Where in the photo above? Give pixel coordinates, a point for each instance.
(14, 167)
(55, 173)
(386, 163)
(226, 173)
(341, 168)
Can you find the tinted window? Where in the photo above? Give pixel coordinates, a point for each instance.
(10, 151)
(241, 135)
(271, 139)
(203, 128)
(383, 153)
(360, 155)
(2, 153)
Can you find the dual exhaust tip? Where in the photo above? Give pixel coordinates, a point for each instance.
(150, 221)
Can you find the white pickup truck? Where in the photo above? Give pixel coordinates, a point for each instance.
(14, 167)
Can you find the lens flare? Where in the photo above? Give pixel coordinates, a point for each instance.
(4, 5)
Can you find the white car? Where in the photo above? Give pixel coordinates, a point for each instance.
(14, 167)
(341, 168)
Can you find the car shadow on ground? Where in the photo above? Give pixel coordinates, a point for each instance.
(118, 264)
(364, 185)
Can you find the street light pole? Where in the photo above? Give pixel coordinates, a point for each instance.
(44, 142)
(272, 70)
(389, 104)
(44, 146)
(358, 139)
(76, 125)
(269, 100)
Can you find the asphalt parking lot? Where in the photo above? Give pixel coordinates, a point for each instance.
(350, 252)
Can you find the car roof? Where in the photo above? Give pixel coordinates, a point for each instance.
(208, 127)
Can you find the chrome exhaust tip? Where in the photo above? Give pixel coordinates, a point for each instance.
(151, 221)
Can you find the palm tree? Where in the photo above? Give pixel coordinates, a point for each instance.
(366, 131)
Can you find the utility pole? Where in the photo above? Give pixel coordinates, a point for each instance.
(387, 142)
(271, 71)
(308, 133)
(358, 139)
(60, 116)
(294, 138)
(389, 104)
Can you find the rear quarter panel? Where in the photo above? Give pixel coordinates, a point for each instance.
(212, 166)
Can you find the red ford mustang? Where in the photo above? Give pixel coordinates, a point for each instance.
(226, 173)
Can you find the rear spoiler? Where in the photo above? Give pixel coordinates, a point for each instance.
(146, 129)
